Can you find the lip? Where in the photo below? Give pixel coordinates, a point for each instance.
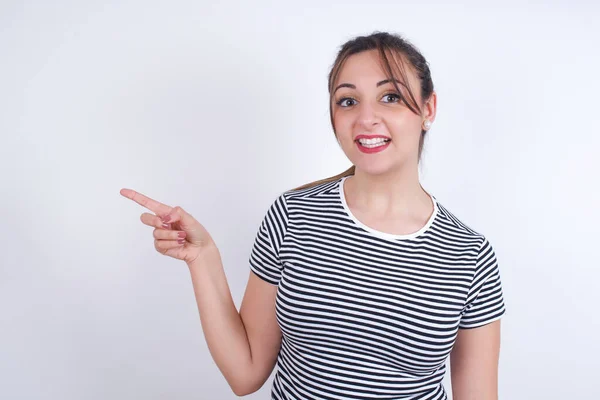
(372, 150)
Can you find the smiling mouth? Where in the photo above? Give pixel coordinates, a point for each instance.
(371, 144)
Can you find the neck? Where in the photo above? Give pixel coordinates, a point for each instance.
(394, 194)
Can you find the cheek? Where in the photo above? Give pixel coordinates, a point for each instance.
(403, 127)
(342, 124)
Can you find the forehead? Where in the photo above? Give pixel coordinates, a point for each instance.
(366, 68)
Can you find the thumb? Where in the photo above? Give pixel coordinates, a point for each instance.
(178, 214)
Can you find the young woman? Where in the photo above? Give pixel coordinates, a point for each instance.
(363, 284)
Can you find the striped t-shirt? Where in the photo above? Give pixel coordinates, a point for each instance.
(366, 314)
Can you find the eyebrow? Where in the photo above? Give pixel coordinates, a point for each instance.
(383, 82)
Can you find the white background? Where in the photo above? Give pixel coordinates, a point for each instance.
(219, 108)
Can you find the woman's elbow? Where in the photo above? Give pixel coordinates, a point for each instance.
(243, 387)
(244, 390)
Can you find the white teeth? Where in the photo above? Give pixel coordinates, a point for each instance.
(373, 142)
(370, 146)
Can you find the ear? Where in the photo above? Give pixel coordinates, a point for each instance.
(430, 108)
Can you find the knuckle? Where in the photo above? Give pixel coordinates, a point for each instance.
(159, 248)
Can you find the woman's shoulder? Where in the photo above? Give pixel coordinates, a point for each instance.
(325, 187)
(318, 192)
(457, 225)
(313, 196)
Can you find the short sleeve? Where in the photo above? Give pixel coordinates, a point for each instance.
(485, 300)
(264, 257)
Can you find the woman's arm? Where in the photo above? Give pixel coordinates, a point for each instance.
(474, 363)
(243, 344)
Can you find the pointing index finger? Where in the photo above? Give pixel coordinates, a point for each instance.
(152, 205)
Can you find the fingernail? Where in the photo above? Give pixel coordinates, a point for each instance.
(166, 218)
(181, 241)
(181, 234)
(166, 226)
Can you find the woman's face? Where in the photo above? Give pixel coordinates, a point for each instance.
(366, 104)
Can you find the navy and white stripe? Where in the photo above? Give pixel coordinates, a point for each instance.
(365, 314)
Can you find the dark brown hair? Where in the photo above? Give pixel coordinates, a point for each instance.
(400, 51)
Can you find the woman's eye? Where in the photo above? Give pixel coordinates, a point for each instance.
(344, 102)
(392, 98)
(349, 101)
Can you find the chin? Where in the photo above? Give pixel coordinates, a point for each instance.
(373, 169)
(381, 166)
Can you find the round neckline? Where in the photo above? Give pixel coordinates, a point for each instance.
(385, 235)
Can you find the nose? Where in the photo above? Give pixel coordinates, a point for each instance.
(367, 115)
